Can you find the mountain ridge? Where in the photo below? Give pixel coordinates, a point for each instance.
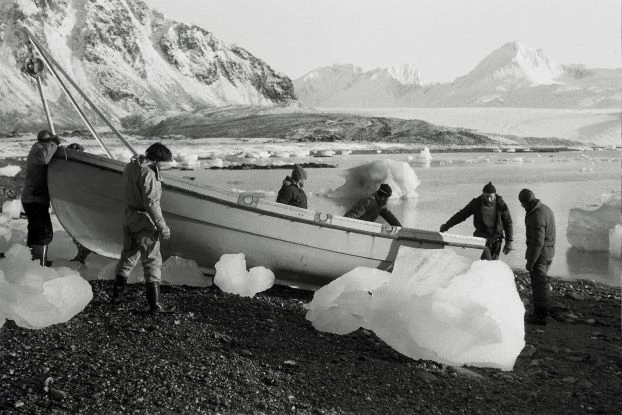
(513, 75)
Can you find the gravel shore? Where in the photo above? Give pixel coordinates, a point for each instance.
(226, 354)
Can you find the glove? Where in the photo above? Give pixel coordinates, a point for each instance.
(508, 247)
(165, 232)
(55, 139)
(444, 227)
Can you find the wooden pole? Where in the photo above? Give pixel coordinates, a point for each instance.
(45, 105)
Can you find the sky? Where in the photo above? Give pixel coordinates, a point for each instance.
(442, 39)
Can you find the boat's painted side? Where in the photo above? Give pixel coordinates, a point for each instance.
(300, 246)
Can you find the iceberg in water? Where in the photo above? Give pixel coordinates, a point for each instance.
(363, 180)
(435, 305)
(588, 230)
(36, 297)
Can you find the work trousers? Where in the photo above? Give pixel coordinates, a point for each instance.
(40, 230)
(143, 244)
(539, 279)
(492, 249)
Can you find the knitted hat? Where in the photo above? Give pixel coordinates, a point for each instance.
(44, 135)
(385, 190)
(526, 196)
(299, 173)
(489, 188)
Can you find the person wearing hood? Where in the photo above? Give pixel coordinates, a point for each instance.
(143, 225)
(292, 192)
(35, 196)
(491, 218)
(374, 205)
(540, 232)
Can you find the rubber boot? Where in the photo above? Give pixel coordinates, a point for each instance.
(117, 288)
(39, 253)
(538, 317)
(153, 298)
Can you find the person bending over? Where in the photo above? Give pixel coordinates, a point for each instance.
(491, 218)
(369, 208)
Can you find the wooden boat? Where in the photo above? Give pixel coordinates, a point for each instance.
(302, 247)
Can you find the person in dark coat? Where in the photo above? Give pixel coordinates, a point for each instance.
(540, 230)
(291, 192)
(369, 208)
(35, 196)
(491, 218)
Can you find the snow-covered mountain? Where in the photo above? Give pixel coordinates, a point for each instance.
(514, 75)
(131, 60)
(339, 85)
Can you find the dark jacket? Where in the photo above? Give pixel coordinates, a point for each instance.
(36, 182)
(291, 194)
(540, 229)
(504, 219)
(369, 208)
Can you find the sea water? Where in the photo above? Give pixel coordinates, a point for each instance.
(562, 180)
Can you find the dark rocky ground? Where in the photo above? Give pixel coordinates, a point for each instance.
(226, 354)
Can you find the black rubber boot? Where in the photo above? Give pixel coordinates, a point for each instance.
(117, 289)
(153, 298)
(538, 317)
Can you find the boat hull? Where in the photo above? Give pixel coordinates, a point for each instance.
(302, 247)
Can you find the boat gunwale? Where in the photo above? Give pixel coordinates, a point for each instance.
(185, 186)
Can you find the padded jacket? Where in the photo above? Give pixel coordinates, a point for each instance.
(540, 230)
(291, 194)
(142, 190)
(36, 182)
(370, 208)
(503, 224)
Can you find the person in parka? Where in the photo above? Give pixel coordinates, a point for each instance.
(369, 208)
(540, 237)
(143, 225)
(35, 196)
(292, 192)
(491, 218)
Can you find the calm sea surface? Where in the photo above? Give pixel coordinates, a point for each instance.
(561, 180)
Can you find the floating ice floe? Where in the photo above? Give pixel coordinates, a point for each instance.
(36, 297)
(434, 305)
(363, 180)
(232, 276)
(589, 230)
(10, 171)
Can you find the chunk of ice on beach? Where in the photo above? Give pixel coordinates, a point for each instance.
(435, 305)
(343, 305)
(232, 276)
(36, 297)
(109, 271)
(588, 230)
(12, 208)
(10, 171)
(180, 271)
(363, 180)
(615, 241)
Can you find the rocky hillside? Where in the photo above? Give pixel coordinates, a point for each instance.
(514, 75)
(131, 60)
(297, 123)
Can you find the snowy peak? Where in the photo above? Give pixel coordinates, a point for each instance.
(405, 74)
(515, 63)
(130, 59)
